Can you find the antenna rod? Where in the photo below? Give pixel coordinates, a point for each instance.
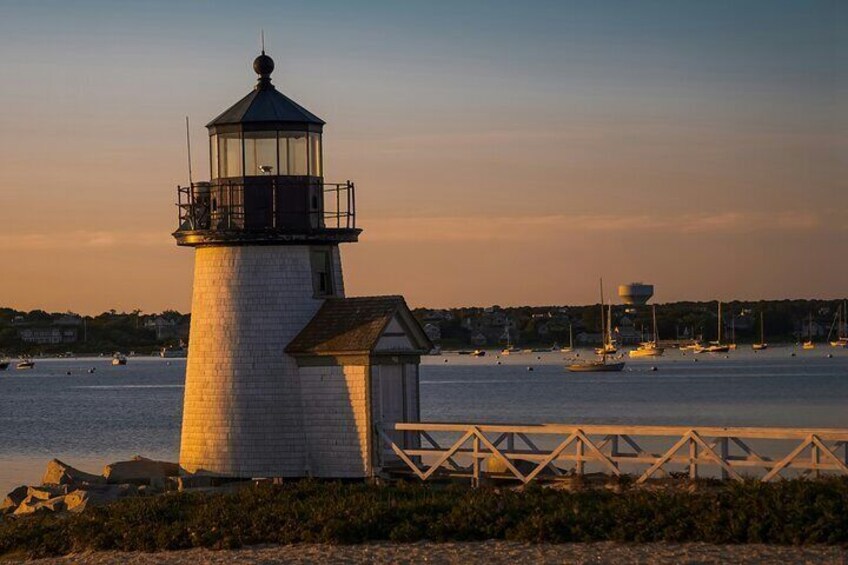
(188, 147)
(262, 40)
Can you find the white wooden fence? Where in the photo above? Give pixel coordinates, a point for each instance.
(476, 451)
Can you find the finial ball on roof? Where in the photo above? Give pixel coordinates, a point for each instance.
(263, 65)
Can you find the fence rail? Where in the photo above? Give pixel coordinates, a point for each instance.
(475, 451)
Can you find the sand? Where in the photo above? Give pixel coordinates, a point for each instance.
(490, 553)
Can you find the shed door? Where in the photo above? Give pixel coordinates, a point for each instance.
(392, 394)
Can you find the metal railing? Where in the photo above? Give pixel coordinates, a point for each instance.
(270, 205)
(475, 451)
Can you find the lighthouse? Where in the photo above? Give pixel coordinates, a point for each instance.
(285, 377)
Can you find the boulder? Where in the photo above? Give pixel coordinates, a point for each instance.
(13, 500)
(80, 499)
(33, 505)
(59, 473)
(140, 470)
(46, 492)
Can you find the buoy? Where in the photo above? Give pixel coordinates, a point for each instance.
(792, 355)
(68, 373)
(695, 360)
(529, 368)
(830, 356)
(499, 362)
(446, 360)
(654, 368)
(92, 370)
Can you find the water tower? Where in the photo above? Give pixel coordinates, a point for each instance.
(285, 376)
(635, 294)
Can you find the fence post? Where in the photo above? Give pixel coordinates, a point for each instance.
(580, 466)
(815, 460)
(693, 456)
(723, 452)
(475, 479)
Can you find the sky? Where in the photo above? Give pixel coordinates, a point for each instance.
(504, 152)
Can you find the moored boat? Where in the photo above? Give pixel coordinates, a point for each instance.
(119, 359)
(762, 343)
(601, 365)
(25, 365)
(649, 348)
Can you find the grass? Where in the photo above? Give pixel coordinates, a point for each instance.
(786, 512)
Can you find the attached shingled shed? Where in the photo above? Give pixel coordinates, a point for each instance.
(358, 360)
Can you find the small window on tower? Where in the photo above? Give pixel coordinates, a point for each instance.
(322, 272)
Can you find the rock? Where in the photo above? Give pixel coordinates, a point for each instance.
(46, 492)
(33, 505)
(140, 470)
(80, 499)
(59, 473)
(13, 500)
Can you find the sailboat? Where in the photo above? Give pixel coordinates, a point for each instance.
(608, 348)
(841, 338)
(509, 349)
(762, 344)
(601, 365)
(649, 348)
(570, 347)
(716, 346)
(809, 343)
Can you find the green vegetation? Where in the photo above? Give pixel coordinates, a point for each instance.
(531, 326)
(786, 512)
(41, 333)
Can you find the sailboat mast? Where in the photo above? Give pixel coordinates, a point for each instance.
(603, 323)
(656, 336)
(718, 340)
(762, 329)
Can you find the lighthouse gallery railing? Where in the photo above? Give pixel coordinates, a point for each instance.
(221, 207)
(551, 451)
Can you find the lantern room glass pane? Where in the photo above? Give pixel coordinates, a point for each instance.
(283, 155)
(213, 156)
(316, 168)
(298, 154)
(229, 155)
(260, 153)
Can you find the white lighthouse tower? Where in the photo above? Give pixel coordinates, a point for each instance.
(266, 230)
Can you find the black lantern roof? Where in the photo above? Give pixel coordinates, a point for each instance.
(266, 106)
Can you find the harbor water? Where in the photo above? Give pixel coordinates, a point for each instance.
(62, 409)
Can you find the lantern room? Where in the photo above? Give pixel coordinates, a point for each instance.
(266, 176)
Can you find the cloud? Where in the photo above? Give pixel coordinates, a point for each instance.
(81, 239)
(528, 228)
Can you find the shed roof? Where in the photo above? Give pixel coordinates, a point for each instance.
(355, 325)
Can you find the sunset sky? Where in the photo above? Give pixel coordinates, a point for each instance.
(504, 152)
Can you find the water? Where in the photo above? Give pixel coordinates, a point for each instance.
(117, 412)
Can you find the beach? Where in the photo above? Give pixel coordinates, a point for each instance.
(492, 552)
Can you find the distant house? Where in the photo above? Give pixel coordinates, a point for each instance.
(48, 335)
(478, 339)
(433, 331)
(165, 328)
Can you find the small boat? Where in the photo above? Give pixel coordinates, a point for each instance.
(809, 343)
(762, 343)
(649, 348)
(691, 347)
(841, 339)
(25, 365)
(119, 359)
(716, 346)
(595, 367)
(463, 352)
(478, 353)
(601, 365)
(173, 352)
